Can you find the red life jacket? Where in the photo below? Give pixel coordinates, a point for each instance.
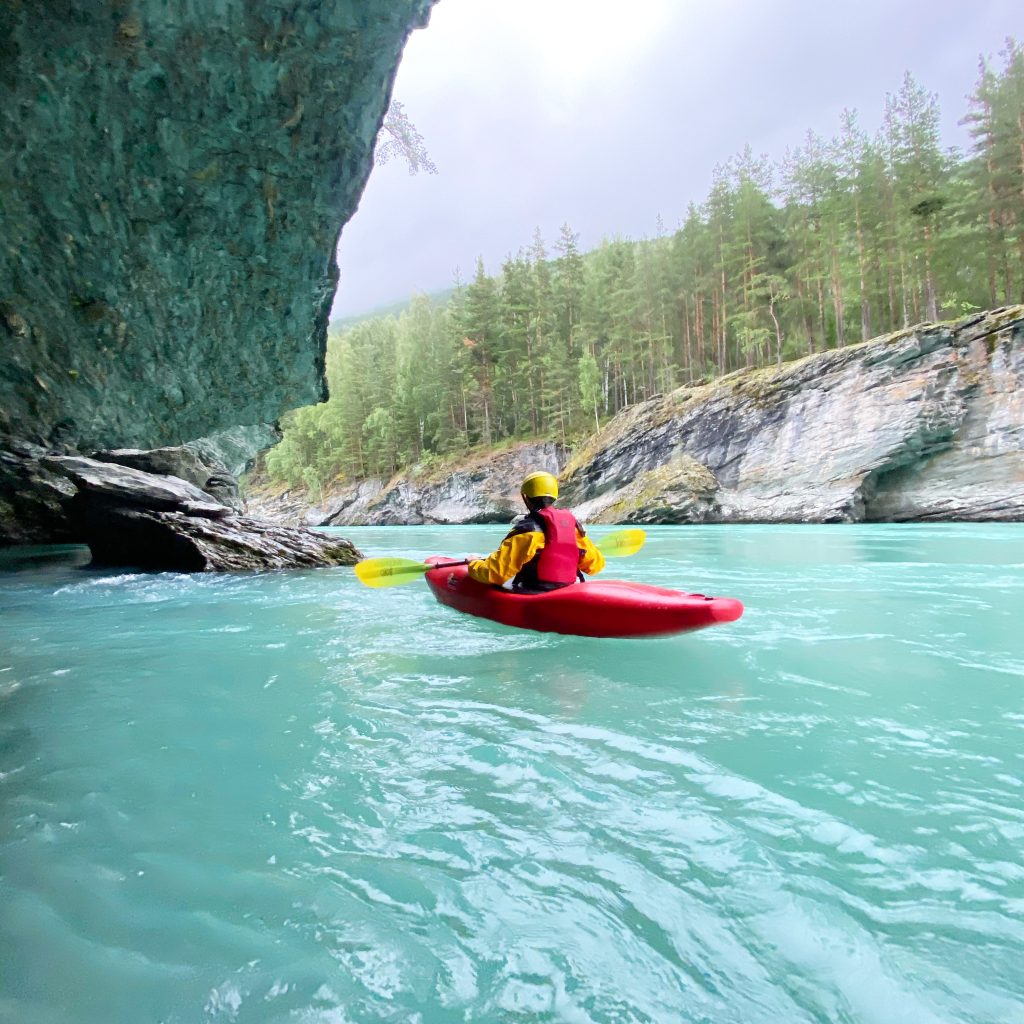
(558, 561)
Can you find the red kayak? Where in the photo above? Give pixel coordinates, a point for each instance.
(595, 608)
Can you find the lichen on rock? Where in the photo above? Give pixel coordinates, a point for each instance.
(680, 491)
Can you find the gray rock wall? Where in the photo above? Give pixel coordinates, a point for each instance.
(173, 179)
(481, 491)
(924, 424)
(486, 491)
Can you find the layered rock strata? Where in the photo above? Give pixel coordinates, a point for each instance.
(484, 490)
(34, 499)
(924, 424)
(182, 462)
(151, 520)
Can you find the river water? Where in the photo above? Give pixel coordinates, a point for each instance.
(285, 797)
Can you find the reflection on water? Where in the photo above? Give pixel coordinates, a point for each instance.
(288, 798)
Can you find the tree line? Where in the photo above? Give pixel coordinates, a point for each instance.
(842, 240)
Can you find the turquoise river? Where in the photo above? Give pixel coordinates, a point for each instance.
(288, 798)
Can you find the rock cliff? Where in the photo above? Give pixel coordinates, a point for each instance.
(482, 490)
(927, 423)
(924, 424)
(173, 180)
(159, 510)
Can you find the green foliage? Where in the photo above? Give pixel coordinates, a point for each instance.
(846, 239)
(590, 385)
(400, 138)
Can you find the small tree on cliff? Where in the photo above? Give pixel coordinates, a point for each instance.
(399, 137)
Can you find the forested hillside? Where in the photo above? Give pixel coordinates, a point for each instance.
(844, 240)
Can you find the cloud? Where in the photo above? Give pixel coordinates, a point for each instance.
(607, 115)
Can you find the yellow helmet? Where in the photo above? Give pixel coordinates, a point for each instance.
(539, 485)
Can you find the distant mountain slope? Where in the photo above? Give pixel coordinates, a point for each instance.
(438, 298)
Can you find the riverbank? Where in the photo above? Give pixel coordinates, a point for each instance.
(923, 425)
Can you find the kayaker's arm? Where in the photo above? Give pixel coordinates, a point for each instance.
(519, 548)
(514, 552)
(591, 560)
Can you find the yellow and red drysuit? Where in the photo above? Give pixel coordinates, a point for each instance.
(521, 557)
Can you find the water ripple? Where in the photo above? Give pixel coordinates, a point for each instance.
(285, 798)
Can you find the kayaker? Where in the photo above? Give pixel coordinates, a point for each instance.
(545, 549)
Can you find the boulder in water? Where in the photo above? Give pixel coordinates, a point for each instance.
(150, 520)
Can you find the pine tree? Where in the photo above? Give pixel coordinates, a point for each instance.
(844, 239)
(481, 326)
(918, 171)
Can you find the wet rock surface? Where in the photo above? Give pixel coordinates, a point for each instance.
(33, 499)
(149, 520)
(191, 541)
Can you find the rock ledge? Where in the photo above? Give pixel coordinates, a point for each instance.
(149, 521)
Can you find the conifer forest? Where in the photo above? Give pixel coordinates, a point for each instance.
(843, 240)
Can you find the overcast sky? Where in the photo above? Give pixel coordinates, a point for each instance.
(607, 115)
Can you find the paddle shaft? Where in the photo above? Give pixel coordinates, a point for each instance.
(466, 561)
(392, 572)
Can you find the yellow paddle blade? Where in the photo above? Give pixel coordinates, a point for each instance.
(621, 543)
(393, 572)
(389, 572)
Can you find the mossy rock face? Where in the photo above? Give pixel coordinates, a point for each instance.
(174, 178)
(682, 491)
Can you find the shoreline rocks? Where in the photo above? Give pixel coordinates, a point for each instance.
(483, 490)
(150, 521)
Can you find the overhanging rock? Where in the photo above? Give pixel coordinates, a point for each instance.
(174, 177)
